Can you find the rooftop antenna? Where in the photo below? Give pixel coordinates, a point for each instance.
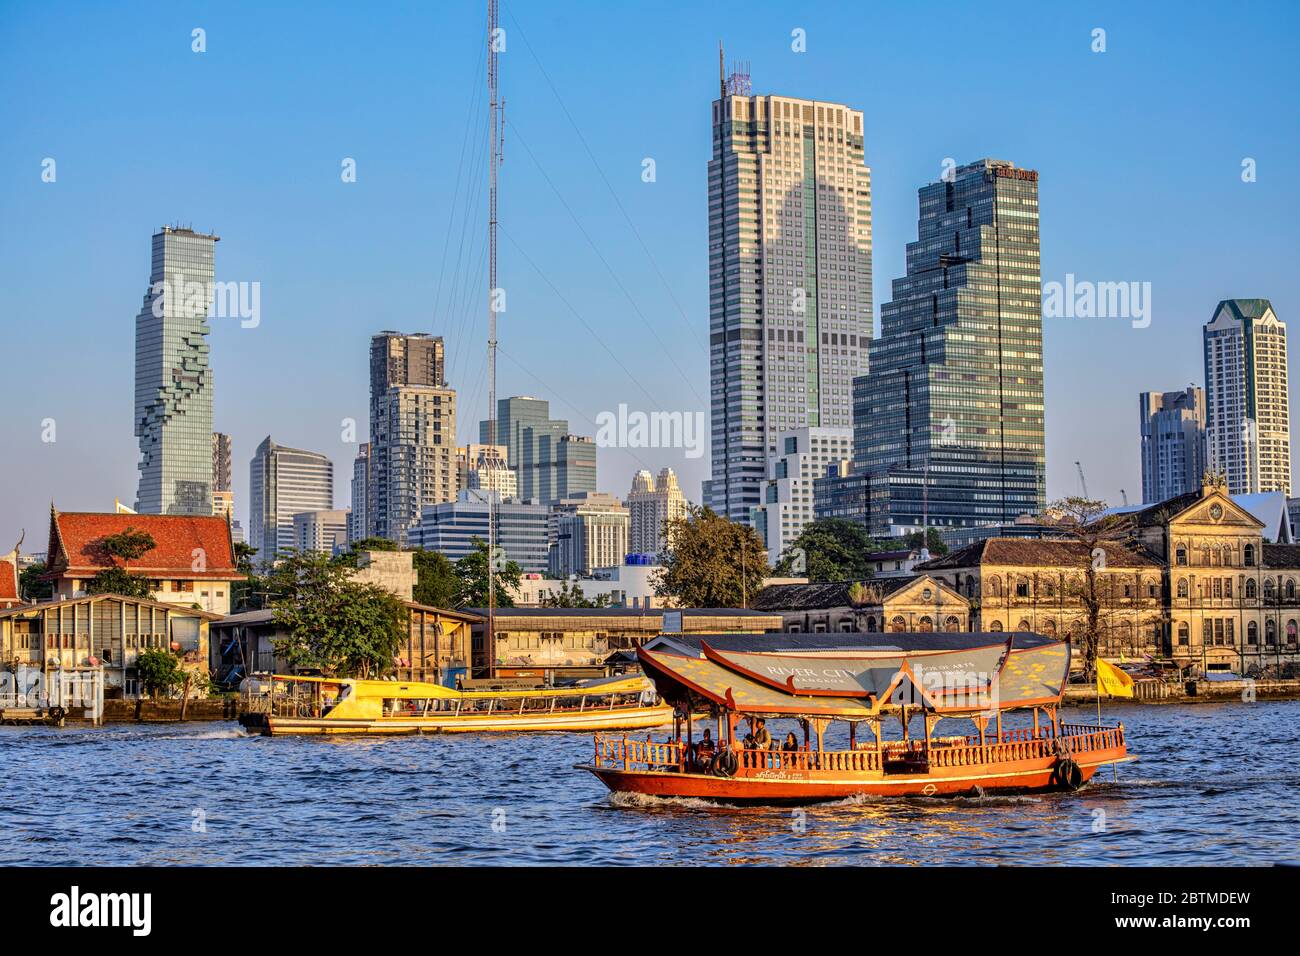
(722, 74)
(495, 106)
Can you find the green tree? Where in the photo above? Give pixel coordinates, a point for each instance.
(128, 545)
(714, 562)
(332, 623)
(1085, 521)
(573, 597)
(472, 572)
(436, 581)
(117, 580)
(366, 544)
(30, 585)
(933, 542)
(160, 671)
(830, 549)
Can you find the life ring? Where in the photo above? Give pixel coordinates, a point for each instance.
(1067, 775)
(725, 764)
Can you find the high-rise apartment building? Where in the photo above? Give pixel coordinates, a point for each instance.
(357, 522)
(221, 461)
(173, 381)
(803, 456)
(485, 468)
(324, 531)
(652, 504)
(1173, 443)
(548, 462)
(412, 432)
(1247, 414)
(283, 482)
(589, 531)
(790, 317)
(949, 421)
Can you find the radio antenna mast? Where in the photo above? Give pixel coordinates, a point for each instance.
(495, 108)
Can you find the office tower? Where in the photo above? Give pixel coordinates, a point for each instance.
(324, 531)
(412, 432)
(360, 494)
(283, 482)
(652, 504)
(483, 467)
(454, 527)
(789, 279)
(173, 383)
(221, 462)
(949, 426)
(1173, 443)
(1248, 421)
(548, 461)
(803, 457)
(589, 530)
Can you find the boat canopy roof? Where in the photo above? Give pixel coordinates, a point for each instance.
(857, 679)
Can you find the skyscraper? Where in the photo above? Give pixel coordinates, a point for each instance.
(789, 279)
(412, 432)
(949, 421)
(484, 467)
(357, 521)
(1248, 421)
(652, 504)
(804, 456)
(548, 461)
(1173, 443)
(221, 461)
(590, 531)
(283, 482)
(173, 382)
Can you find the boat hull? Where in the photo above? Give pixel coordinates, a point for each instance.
(795, 786)
(634, 718)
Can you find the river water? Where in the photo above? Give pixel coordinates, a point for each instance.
(1216, 784)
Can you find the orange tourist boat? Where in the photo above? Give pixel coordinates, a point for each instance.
(820, 680)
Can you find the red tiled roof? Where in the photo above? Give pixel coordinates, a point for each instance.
(180, 540)
(8, 583)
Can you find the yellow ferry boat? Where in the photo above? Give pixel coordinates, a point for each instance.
(324, 705)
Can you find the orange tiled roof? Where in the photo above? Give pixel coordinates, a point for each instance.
(8, 583)
(76, 545)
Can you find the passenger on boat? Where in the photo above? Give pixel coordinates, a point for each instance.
(762, 737)
(704, 750)
(791, 744)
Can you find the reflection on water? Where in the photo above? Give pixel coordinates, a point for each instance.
(1215, 785)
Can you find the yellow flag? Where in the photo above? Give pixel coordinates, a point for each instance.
(1112, 681)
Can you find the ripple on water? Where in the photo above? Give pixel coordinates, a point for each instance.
(207, 794)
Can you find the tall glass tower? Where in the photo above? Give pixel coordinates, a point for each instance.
(789, 279)
(949, 422)
(173, 381)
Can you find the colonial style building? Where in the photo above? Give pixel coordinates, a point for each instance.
(1199, 582)
(192, 561)
(1019, 584)
(919, 603)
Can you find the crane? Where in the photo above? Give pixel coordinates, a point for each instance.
(1082, 480)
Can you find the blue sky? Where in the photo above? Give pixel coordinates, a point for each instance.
(1139, 150)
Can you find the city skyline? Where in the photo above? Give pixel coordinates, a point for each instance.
(307, 344)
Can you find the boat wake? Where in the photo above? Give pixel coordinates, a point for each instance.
(627, 800)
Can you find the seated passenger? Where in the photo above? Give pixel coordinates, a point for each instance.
(791, 743)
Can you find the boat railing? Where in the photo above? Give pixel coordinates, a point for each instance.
(1075, 739)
